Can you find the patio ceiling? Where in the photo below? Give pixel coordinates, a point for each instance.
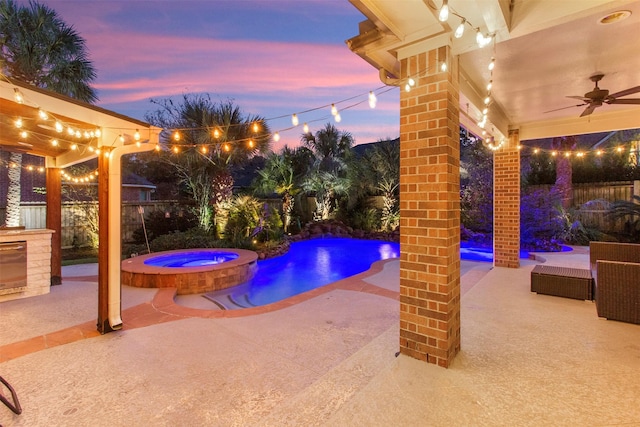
(83, 118)
(544, 50)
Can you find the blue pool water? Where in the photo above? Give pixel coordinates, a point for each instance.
(313, 263)
(309, 264)
(190, 259)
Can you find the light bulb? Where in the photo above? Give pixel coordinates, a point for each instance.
(411, 82)
(78, 134)
(74, 147)
(136, 135)
(256, 128)
(121, 137)
(479, 38)
(460, 30)
(492, 64)
(407, 87)
(485, 111)
(490, 85)
(176, 136)
(443, 66)
(98, 133)
(59, 127)
(43, 114)
(372, 99)
(334, 110)
(444, 11)
(305, 128)
(176, 149)
(157, 147)
(226, 147)
(216, 133)
(203, 149)
(251, 144)
(18, 123)
(487, 100)
(138, 144)
(338, 118)
(294, 120)
(54, 142)
(18, 96)
(24, 134)
(536, 150)
(276, 137)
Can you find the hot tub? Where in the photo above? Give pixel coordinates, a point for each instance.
(190, 271)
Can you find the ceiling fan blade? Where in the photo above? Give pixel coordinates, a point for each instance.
(563, 108)
(581, 98)
(624, 101)
(625, 92)
(588, 110)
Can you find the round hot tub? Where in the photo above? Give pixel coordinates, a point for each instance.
(190, 271)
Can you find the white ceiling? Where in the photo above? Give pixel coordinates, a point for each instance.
(545, 50)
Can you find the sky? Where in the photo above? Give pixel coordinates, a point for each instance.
(272, 58)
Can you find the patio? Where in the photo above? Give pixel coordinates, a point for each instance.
(329, 359)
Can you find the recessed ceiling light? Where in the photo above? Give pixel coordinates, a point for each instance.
(613, 17)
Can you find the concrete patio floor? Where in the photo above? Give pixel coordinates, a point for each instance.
(324, 358)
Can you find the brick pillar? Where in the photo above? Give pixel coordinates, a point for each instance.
(430, 209)
(506, 203)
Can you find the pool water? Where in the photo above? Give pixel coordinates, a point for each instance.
(308, 265)
(191, 259)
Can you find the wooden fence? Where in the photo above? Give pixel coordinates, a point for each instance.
(78, 219)
(592, 200)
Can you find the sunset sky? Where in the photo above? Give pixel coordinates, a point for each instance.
(271, 57)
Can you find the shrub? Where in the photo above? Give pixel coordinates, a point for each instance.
(366, 219)
(159, 223)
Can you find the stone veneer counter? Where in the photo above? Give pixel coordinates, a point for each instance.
(38, 262)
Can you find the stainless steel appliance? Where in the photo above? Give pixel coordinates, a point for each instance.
(13, 267)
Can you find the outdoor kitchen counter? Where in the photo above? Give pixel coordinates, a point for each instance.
(38, 269)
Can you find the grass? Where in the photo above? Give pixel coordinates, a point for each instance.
(74, 256)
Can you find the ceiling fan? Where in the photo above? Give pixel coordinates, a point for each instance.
(597, 96)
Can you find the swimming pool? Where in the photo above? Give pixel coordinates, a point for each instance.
(309, 264)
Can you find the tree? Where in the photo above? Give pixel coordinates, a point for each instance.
(207, 139)
(278, 176)
(328, 179)
(476, 182)
(37, 47)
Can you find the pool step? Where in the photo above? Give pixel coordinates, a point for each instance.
(228, 301)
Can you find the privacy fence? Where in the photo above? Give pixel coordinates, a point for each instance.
(79, 220)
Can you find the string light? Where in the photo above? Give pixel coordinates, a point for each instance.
(460, 30)
(334, 110)
(294, 120)
(18, 123)
(43, 114)
(444, 11)
(443, 66)
(18, 95)
(136, 135)
(372, 99)
(305, 128)
(216, 133)
(276, 136)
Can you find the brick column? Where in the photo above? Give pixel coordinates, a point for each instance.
(506, 203)
(430, 209)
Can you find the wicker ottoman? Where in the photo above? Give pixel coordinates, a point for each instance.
(562, 282)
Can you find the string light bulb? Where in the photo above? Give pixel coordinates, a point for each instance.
(24, 134)
(492, 64)
(443, 66)
(294, 120)
(305, 128)
(490, 85)
(460, 30)
(334, 110)
(251, 143)
(444, 11)
(256, 128)
(59, 127)
(136, 135)
(54, 142)
(43, 114)
(18, 95)
(176, 136)
(18, 123)
(338, 118)
(204, 149)
(276, 136)
(372, 99)
(216, 133)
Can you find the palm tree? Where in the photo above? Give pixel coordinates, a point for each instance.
(210, 138)
(328, 178)
(277, 176)
(37, 47)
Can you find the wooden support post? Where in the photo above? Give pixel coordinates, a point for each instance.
(54, 221)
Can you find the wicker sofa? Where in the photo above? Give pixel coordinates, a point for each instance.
(615, 268)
